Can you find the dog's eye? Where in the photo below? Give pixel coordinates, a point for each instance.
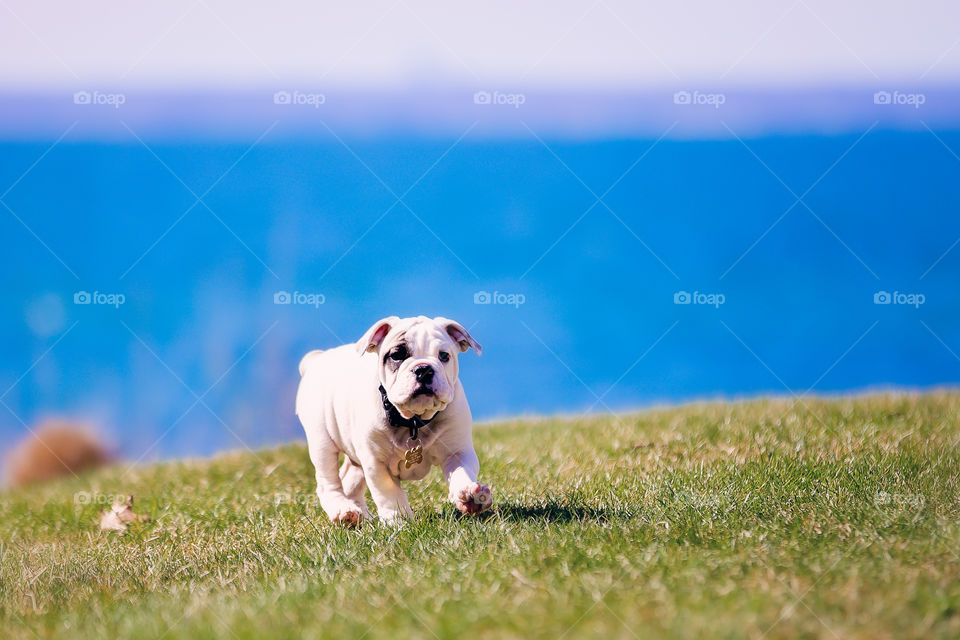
(398, 354)
(444, 356)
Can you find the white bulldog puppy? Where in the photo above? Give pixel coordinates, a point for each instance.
(393, 405)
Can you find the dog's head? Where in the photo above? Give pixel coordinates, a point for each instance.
(418, 361)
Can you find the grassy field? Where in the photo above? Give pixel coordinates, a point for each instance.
(833, 518)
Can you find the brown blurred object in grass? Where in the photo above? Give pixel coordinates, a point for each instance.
(55, 448)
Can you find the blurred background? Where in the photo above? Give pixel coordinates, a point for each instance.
(628, 204)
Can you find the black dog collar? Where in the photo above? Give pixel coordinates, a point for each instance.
(414, 424)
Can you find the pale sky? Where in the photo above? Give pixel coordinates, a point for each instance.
(403, 43)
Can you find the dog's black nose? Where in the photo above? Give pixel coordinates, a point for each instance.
(424, 373)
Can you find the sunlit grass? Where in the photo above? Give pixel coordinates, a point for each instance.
(761, 519)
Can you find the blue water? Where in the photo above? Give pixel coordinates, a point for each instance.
(798, 307)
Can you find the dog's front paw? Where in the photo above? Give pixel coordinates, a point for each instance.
(474, 498)
(348, 517)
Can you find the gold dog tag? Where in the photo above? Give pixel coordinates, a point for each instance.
(412, 456)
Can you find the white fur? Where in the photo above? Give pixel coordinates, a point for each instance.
(340, 407)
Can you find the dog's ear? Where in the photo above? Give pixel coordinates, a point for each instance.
(374, 336)
(459, 334)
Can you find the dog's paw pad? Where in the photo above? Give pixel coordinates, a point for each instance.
(475, 498)
(348, 518)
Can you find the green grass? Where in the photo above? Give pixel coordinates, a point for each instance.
(833, 518)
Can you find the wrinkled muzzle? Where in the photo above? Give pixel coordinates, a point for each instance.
(420, 388)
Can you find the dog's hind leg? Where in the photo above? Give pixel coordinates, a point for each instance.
(339, 508)
(391, 501)
(354, 484)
